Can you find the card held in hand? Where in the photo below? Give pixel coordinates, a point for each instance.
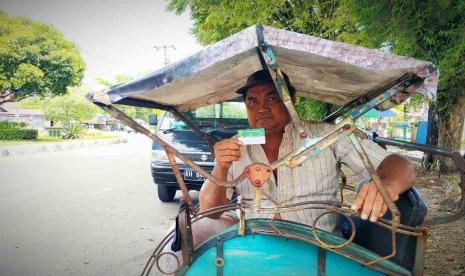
(251, 136)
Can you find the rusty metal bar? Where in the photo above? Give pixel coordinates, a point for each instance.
(459, 162)
(186, 198)
(196, 129)
(313, 146)
(420, 251)
(402, 82)
(414, 146)
(376, 179)
(187, 241)
(269, 58)
(117, 114)
(219, 261)
(283, 90)
(343, 185)
(332, 206)
(242, 223)
(156, 253)
(321, 262)
(326, 141)
(334, 246)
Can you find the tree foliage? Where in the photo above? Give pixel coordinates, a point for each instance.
(69, 108)
(432, 30)
(35, 60)
(132, 111)
(217, 19)
(72, 107)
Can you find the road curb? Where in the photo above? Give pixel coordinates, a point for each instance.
(27, 149)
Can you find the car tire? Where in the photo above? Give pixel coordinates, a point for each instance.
(166, 193)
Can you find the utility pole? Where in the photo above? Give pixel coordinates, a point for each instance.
(165, 47)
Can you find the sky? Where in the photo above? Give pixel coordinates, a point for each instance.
(114, 37)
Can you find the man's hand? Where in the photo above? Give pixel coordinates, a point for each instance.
(397, 175)
(212, 195)
(370, 203)
(226, 152)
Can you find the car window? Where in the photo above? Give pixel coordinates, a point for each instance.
(224, 110)
(222, 115)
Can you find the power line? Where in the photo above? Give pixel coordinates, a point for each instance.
(165, 51)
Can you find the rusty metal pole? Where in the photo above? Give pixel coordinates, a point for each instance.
(420, 251)
(185, 192)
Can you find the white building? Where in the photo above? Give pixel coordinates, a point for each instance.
(33, 118)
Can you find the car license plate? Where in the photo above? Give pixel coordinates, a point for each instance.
(193, 175)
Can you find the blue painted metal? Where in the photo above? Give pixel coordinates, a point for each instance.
(422, 132)
(260, 254)
(359, 111)
(269, 55)
(373, 113)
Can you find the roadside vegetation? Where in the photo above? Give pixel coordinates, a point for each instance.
(16, 131)
(48, 139)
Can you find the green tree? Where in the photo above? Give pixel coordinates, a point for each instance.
(132, 111)
(217, 19)
(69, 108)
(35, 60)
(432, 30)
(72, 107)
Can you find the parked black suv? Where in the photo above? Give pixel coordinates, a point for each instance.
(219, 121)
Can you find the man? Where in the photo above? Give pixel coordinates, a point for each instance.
(316, 179)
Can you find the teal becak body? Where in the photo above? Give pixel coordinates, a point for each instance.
(263, 254)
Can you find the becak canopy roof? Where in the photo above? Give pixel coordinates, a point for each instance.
(320, 69)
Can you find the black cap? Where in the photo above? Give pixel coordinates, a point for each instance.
(260, 77)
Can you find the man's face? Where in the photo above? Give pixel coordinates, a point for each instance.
(266, 109)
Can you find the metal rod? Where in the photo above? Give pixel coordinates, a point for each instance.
(321, 261)
(376, 179)
(186, 198)
(315, 145)
(459, 162)
(187, 241)
(196, 129)
(414, 146)
(269, 57)
(420, 251)
(402, 82)
(283, 90)
(117, 114)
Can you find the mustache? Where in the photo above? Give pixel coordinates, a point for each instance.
(264, 115)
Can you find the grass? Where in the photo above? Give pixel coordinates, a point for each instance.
(47, 139)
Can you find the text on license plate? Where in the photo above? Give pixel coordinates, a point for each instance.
(193, 175)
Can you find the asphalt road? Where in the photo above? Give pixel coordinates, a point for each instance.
(82, 212)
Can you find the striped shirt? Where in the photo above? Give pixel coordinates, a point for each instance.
(316, 179)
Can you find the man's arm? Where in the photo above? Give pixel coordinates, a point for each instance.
(212, 195)
(397, 175)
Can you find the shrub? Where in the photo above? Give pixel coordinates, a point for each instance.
(72, 130)
(18, 134)
(12, 125)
